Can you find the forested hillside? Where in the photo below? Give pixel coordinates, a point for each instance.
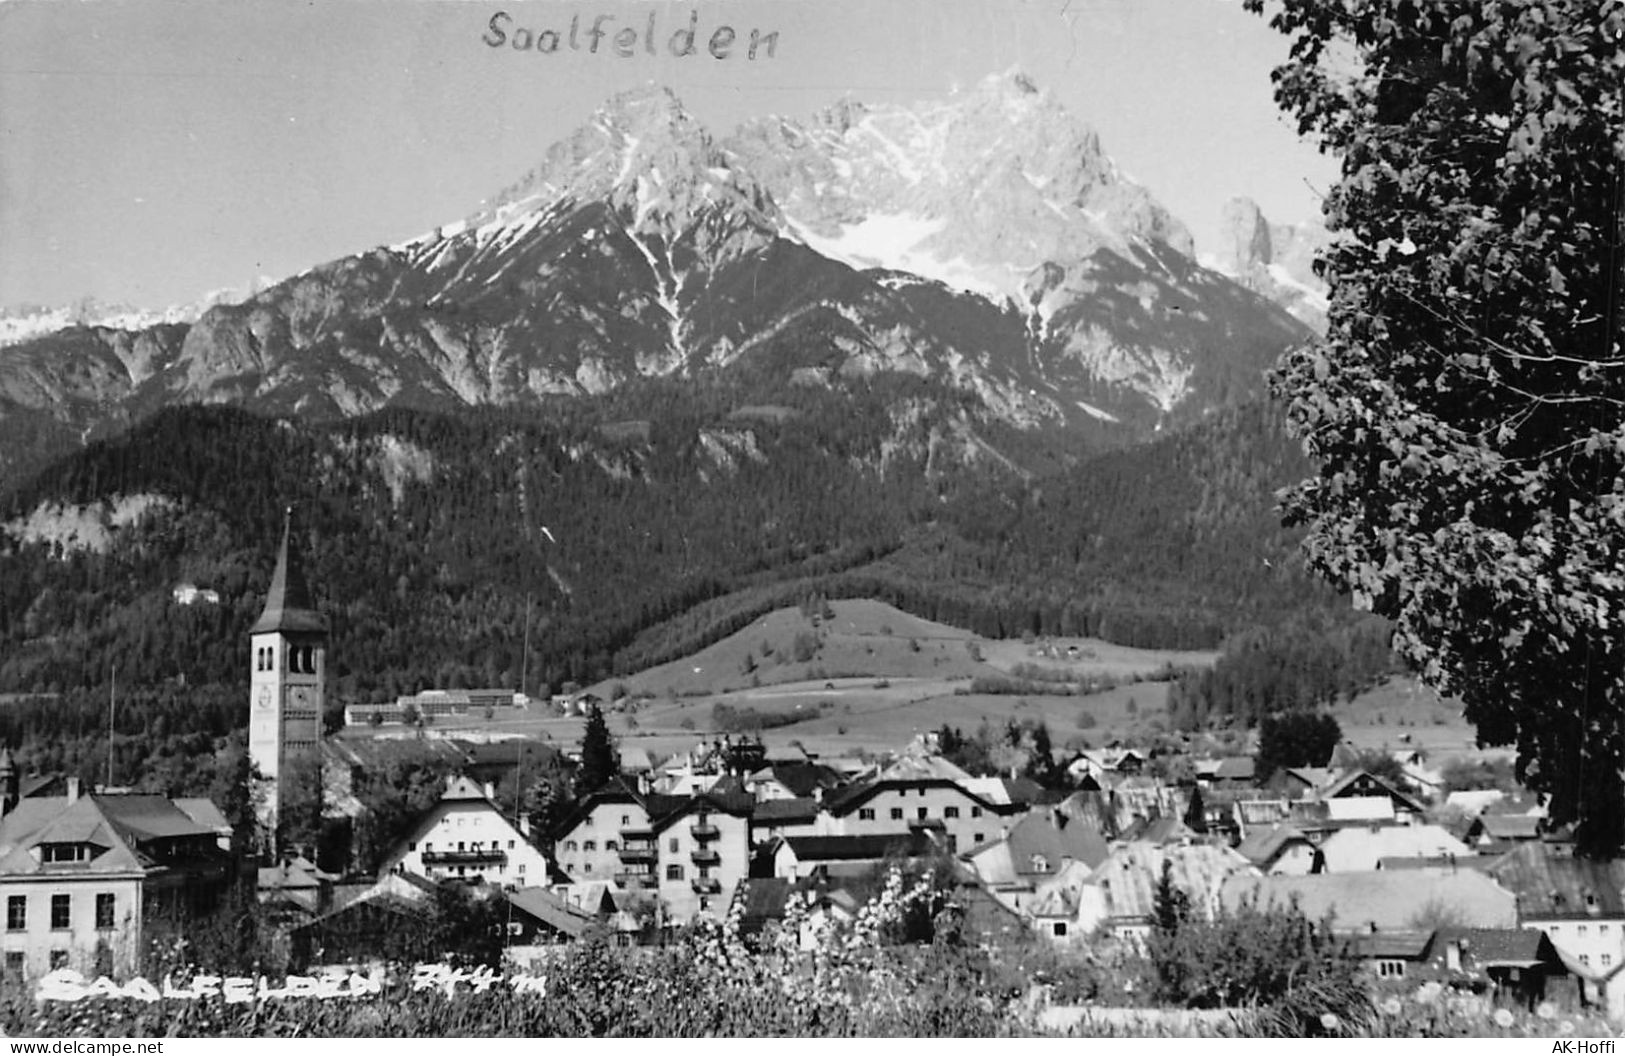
(630, 540)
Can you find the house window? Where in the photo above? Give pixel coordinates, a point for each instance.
(976, 812)
(897, 813)
(589, 845)
(626, 819)
(104, 911)
(1585, 958)
(1058, 929)
(521, 868)
(460, 845)
(674, 872)
(1582, 929)
(673, 845)
(59, 959)
(1391, 969)
(17, 913)
(61, 911)
(922, 813)
(587, 868)
(979, 837)
(510, 845)
(569, 845)
(866, 814)
(609, 845)
(950, 812)
(1607, 959)
(14, 967)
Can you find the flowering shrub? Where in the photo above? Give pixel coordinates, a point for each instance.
(851, 979)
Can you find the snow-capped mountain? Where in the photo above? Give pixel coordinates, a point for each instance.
(984, 244)
(25, 322)
(1274, 260)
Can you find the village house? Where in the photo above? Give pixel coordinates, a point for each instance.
(87, 878)
(1282, 848)
(1034, 850)
(1120, 896)
(606, 836)
(1578, 902)
(896, 802)
(465, 836)
(703, 851)
(1359, 848)
(798, 857)
(1407, 900)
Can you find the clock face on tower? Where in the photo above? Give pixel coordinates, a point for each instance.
(301, 697)
(262, 698)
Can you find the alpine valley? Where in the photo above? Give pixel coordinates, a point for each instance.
(944, 353)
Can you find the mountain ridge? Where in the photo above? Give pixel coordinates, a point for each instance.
(644, 246)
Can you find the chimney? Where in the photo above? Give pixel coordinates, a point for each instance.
(490, 791)
(524, 826)
(73, 790)
(1452, 955)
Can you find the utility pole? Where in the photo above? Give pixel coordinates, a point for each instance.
(524, 663)
(112, 697)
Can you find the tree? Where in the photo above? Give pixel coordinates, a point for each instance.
(1196, 812)
(1467, 407)
(600, 763)
(1297, 738)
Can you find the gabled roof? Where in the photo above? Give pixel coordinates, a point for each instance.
(287, 603)
(118, 824)
(1057, 896)
(785, 811)
(737, 804)
(1129, 878)
(1344, 784)
(462, 789)
(804, 779)
(1550, 883)
(544, 906)
(916, 765)
(846, 800)
(1159, 831)
(1403, 945)
(860, 848)
(1311, 777)
(1235, 768)
(1263, 847)
(1502, 947)
(1510, 826)
(1381, 900)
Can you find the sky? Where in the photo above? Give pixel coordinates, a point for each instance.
(152, 151)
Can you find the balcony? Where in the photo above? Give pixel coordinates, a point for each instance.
(706, 856)
(487, 856)
(637, 830)
(704, 830)
(637, 852)
(707, 885)
(634, 880)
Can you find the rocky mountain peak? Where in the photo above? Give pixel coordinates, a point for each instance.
(1274, 260)
(644, 154)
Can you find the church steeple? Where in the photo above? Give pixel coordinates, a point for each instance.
(287, 604)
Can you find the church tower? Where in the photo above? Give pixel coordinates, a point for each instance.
(287, 687)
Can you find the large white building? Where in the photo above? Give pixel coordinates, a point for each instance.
(287, 683)
(466, 837)
(87, 879)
